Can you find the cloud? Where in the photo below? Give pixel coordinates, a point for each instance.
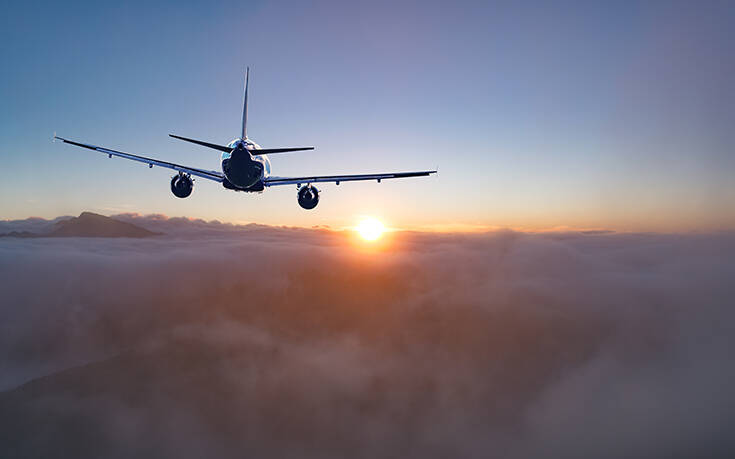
(250, 340)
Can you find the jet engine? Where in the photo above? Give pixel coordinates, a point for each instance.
(182, 185)
(308, 197)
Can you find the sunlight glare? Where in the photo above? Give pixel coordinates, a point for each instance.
(370, 229)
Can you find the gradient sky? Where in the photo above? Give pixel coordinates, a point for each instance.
(539, 115)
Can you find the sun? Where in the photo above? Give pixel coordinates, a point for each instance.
(370, 229)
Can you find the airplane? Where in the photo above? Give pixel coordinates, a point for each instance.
(245, 166)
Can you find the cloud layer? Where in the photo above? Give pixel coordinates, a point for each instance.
(257, 341)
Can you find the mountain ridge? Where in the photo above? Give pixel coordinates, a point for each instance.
(88, 224)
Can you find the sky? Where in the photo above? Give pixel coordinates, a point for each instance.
(613, 115)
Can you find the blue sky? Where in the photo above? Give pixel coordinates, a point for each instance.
(539, 115)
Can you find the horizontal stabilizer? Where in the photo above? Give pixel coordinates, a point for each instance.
(204, 144)
(268, 151)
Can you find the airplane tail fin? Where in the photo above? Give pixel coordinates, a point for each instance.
(244, 134)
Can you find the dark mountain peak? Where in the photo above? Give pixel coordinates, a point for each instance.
(89, 224)
(87, 214)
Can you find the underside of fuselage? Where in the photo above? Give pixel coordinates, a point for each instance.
(244, 170)
(256, 188)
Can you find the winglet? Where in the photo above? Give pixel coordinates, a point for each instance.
(244, 133)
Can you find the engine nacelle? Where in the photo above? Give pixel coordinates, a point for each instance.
(182, 185)
(308, 197)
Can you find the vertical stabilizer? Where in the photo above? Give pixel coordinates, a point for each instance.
(244, 134)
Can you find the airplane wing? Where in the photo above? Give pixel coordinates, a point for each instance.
(211, 175)
(274, 181)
